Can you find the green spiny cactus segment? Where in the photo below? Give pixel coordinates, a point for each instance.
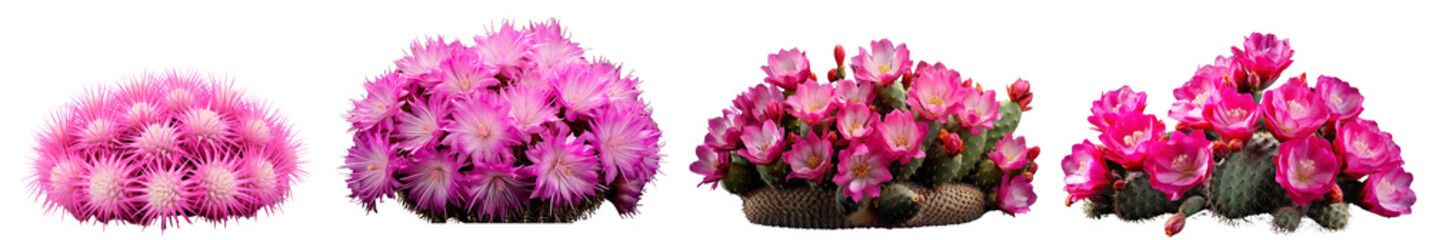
(1097, 211)
(1192, 205)
(891, 97)
(743, 178)
(1287, 218)
(1243, 184)
(1011, 116)
(988, 175)
(1138, 201)
(897, 204)
(940, 168)
(1332, 216)
(777, 175)
(809, 207)
(904, 172)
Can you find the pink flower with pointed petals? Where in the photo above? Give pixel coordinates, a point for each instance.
(810, 158)
(107, 192)
(530, 108)
(424, 58)
(1234, 116)
(856, 121)
(884, 65)
(936, 93)
(1264, 57)
(372, 164)
(503, 48)
(813, 103)
(381, 103)
(1107, 111)
(1010, 153)
(579, 88)
(1194, 95)
(482, 127)
(1182, 163)
(625, 195)
(1086, 171)
(464, 74)
(787, 69)
(1387, 192)
(1293, 111)
(725, 131)
(853, 92)
(980, 110)
(551, 48)
(496, 188)
(165, 196)
(713, 164)
(900, 136)
(1306, 168)
(627, 139)
(761, 103)
(566, 169)
(1365, 149)
(1344, 101)
(861, 171)
(1129, 141)
(762, 144)
(420, 127)
(1015, 195)
(434, 182)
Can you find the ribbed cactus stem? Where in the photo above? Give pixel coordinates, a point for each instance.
(1332, 216)
(1286, 219)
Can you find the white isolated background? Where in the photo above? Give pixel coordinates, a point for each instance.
(308, 59)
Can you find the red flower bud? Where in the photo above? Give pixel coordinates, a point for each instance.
(1175, 224)
(1336, 195)
(1033, 152)
(839, 54)
(1235, 145)
(1020, 92)
(907, 79)
(1027, 174)
(1069, 200)
(1118, 185)
(1033, 169)
(833, 75)
(813, 77)
(1221, 148)
(951, 143)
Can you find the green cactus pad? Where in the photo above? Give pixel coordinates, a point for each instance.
(1097, 211)
(1331, 216)
(904, 172)
(742, 177)
(941, 169)
(1244, 183)
(988, 175)
(1287, 218)
(777, 175)
(1138, 201)
(897, 204)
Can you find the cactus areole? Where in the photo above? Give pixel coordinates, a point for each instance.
(1241, 149)
(895, 145)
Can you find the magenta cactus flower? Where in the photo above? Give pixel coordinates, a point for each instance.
(514, 125)
(1387, 192)
(1015, 195)
(1107, 110)
(762, 143)
(853, 93)
(810, 158)
(1306, 168)
(857, 121)
(170, 147)
(1263, 57)
(761, 103)
(1293, 111)
(1365, 149)
(1129, 142)
(1192, 97)
(1180, 164)
(900, 137)
(1086, 171)
(787, 68)
(1010, 153)
(979, 111)
(725, 131)
(813, 103)
(1344, 101)
(712, 164)
(936, 93)
(861, 171)
(1233, 116)
(883, 65)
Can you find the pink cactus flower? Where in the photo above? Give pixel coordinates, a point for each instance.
(1015, 196)
(1306, 168)
(426, 57)
(936, 93)
(1234, 116)
(813, 103)
(433, 182)
(1182, 163)
(861, 171)
(900, 136)
(464, 74)
(1130, 140)
(628, 142)
(482, 127)
(1387, 192)
(1365, 149)
(1293, 111)
(810, 158)
(1107, 111)
(371, 162)
(1192, 97)
(712, 164)
(496, 188)
(725, 131)
(853, 93)
(979, 110)
(856, 121)
(763, 143)
(421, 127)
(1086, 171)
(566, 169)
(580, 88)
(380, 105)
(1010, 153)
(1264, 57)
(761, 103)
(504, 48)
(1344, 101)
(787, 69)
(884, 65)
(530, 109)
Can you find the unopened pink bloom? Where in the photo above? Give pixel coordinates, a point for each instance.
(1193, 96)
(1365, 149)
(810, 158)
(979, 110)
(884, 65)
(813, 103)
(712, 164)
(1264, 57)
(1293, 111)
(1010, 153)
(1182, 163)
(1107, 111)
(853, 92)
(1387, 192)
(1015, 195)
(762, 143)
(1234, 116)
(1129, 141)
(856, 121)
(936, 93)
(900, 136)
(1086, 171)
(1344, 101)
(1306, 168)
(861, 171)
(787, 68)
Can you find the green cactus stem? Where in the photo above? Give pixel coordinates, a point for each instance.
(1287, 218)
(742, 177)
(897, 204)
(1330, 215)
(1243, 184)
(1139, 201)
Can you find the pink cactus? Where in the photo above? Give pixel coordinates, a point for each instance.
(1180, 164)
(787, 69)
(1107, 110)
(1306, 168)
(1387, 192)
(1293, 111)
(1086, 172)
(883, 65)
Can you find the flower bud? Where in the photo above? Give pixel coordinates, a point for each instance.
(839, 54)
(1175, 224)
(1021, 93)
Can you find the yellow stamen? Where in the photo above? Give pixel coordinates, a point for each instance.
(884, 68)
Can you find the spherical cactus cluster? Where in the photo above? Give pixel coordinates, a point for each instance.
(886, 141)
(517, 127)
(163, 148)
(1240, 150)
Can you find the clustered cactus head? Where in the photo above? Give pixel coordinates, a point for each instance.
(517, 121)
(163, 148)
(1240, 150)
(861, 136)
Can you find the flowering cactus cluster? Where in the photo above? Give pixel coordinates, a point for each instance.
(165, 147)
(517, 127)
(1240, 150)
(884, 136)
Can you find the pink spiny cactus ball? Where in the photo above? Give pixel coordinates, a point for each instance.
(517, 123)
(162, 148)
